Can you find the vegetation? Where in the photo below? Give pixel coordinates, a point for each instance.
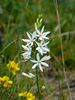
(18, 17)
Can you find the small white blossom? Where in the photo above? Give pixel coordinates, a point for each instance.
(43, 87)
(26, 56)
(40, 62)
(27, 49)
(42, 47)
(30, 75)
(41, 34)
(31, 38)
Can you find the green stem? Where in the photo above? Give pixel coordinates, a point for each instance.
(39, 95)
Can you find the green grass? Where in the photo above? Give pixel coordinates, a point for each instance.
(16, 18)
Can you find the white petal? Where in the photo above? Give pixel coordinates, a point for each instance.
(42, 42)
(40, 38)
(31, 43)
(40, 67)
(23, 60)
(26, 74)
(38, 48)
(34, 35)
(28, 43)
(37, 35)
(45, 58)
(45, 52)
(46, 33)
(26, 40)
(41, 51)
(29, 35)
(45, 37)
(38, 58)
(34, 61)
(34, 66)
(46, 43)
(37, 43)
(45, 64)
(37, 31)
(42, 29)
(45, 49)
(24, 47)
(32, 75)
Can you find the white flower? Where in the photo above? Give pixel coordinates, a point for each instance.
(43, 87)
(40, 62)
(26, 56)
(42, 47)
(30, 75)
(31, 38)
(28, 49)
(42, 35)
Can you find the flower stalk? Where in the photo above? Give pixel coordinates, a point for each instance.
(39, 94)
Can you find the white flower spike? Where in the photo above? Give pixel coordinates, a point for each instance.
(39, 62)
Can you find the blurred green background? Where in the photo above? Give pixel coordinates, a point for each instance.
(18, 16)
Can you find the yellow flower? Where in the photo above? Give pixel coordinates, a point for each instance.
(6, 84)
(22, 94)
(13, 67)
(30, 96)
(0, 80)
(5, 78)
(5, 81)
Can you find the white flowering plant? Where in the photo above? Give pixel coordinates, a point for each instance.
(37, 40)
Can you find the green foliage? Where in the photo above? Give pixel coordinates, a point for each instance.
(19, 16)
